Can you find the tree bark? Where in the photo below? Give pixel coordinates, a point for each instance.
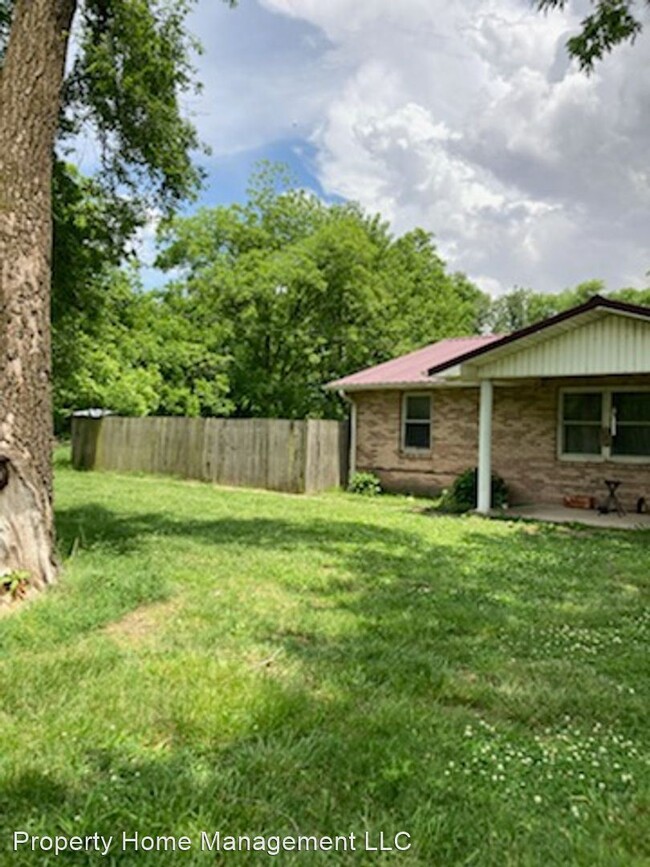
(30, 89)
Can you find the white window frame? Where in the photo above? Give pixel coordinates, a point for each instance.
(416, 450)
(605, 423)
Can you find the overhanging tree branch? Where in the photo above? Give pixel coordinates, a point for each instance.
(612, 23)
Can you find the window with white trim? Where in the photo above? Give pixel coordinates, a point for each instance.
(605, 424)
(582, 419)
(416, 422)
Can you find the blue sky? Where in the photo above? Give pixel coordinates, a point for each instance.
(229, 175)
(260, 72)
(464, 118)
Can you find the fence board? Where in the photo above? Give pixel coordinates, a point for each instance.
(278, 454)
(326, 455)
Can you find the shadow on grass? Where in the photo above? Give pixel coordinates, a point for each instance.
(432, 638)
(315, 774)
(482, 581)
(305, 764)
(431, 619)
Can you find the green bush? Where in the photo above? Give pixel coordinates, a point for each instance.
(461, 497)
(364, 483)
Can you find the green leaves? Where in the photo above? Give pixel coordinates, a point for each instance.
(612, 23)
(135, 355)
(273, 299)
(132, 68)
(296, 292)
(522, 307)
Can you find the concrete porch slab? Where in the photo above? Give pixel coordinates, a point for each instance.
(590, 517)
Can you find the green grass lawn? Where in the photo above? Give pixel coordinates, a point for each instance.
(266, 664)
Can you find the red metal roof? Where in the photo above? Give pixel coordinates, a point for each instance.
(413, 367)
(423, 365)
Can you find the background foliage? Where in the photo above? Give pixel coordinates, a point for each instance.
(266, 301)
(295, 292)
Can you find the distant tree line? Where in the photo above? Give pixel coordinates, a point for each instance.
(522, 307)
(266, 301)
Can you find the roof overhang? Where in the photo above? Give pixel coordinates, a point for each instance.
(468, 367)
(425, 385)
(613, 335)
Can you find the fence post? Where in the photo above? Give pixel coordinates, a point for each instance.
(85, 435)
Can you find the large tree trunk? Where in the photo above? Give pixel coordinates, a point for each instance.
(30, 87)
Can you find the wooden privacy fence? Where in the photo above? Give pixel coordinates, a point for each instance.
(278, 454)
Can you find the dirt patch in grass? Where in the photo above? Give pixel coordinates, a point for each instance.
(142, 625)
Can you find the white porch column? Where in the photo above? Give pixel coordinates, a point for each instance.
(484, 503)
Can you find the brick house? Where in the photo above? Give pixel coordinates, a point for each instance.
(555, 409)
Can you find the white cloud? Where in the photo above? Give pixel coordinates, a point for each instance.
(465, 118)
(263, 76)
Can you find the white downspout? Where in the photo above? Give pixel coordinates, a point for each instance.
(484, 503)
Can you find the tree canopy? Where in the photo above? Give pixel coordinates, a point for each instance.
(522, 307)
(292, 292)
(132, 66)
(267, 300)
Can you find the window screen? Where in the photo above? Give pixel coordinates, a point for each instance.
(582, 414)
(417, 421)
(631, 423)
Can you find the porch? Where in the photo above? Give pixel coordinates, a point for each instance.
(601, 422)
(589, 517)
(558, 437)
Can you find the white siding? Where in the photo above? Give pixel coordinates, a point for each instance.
(608, 345)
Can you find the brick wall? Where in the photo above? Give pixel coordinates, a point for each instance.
(453, 439)
(524, 443)
(525, 447)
